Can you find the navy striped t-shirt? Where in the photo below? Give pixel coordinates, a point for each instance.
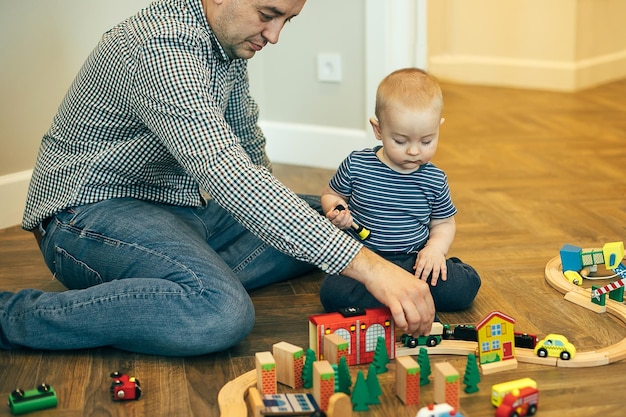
(395, 207)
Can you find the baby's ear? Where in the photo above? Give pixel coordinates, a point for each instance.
(376, 127)
(443, 119)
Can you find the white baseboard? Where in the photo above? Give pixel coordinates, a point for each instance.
(312, 145)
(526, 73)
(13, 189)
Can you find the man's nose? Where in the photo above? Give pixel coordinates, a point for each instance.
(272, 31)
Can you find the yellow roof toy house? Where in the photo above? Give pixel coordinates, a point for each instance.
(496, 343)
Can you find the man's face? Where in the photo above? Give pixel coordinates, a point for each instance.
(244, 27)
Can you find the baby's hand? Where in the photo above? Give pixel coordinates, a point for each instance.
(430, 261)
(340, 216)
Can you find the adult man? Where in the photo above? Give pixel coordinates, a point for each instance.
(152, 197)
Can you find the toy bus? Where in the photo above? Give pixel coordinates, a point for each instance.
(42, 397)
(499, 391)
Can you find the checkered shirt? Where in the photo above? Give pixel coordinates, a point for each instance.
(158, 112)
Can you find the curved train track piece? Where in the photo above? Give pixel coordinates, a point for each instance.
(232, 397)
(581, 296)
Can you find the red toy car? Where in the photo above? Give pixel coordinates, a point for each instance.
(519, 402)
(124, 387)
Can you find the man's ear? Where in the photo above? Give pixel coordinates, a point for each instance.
(376, 127)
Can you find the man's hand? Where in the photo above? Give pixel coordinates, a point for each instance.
(408, 299)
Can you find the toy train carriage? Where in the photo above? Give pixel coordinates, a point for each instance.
(124, 387)
(40, 398)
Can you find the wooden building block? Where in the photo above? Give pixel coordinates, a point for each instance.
(265, 372)
(323, 383)
(289, 363)
(334, 348)
(408, 380)
(447, 384)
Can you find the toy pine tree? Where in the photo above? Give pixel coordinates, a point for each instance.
(373, 386)
(381, 356)
(336, 371)
(345, 380)
(424, 362)
(360, 395)
(472, 375)
(307, 369)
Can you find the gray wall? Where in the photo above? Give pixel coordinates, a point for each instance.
(44, 42)
(284, 76)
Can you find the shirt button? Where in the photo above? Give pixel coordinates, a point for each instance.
(324, 266)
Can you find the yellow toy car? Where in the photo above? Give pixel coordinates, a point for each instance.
(555, 345)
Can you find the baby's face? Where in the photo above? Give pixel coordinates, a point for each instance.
(409, 137)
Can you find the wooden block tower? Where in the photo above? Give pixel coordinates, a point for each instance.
(408, 380)
(265, 373)
(289, 363)
(323, 383)
(447, 384)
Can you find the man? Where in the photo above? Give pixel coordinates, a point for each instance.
(153, 202)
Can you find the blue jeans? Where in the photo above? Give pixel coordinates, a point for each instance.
(146, 278)
(457, 292)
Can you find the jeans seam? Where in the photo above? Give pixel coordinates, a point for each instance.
(242, 265)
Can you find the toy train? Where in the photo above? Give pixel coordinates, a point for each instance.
(440, 331)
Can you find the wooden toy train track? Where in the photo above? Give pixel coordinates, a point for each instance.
(232, 397)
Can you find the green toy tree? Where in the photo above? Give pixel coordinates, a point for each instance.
(373, 386)
(360, 395)
(307, 369)
(472, 375)
(424, 362)
(345, 380)
(381, 356)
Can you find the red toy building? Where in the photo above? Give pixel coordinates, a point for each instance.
(360, 328)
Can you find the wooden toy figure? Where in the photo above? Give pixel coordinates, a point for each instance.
(472, 375)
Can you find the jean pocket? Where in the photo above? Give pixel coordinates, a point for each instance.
(73, 273)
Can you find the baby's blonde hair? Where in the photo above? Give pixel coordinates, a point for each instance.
(413, 88)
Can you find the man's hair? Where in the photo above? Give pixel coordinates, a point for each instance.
(410, 87)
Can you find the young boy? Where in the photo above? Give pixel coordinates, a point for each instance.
(396, 193)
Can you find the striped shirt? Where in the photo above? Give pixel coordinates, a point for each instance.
(395, 207)
(158, 112)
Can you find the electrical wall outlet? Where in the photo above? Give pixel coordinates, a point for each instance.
(329, 67)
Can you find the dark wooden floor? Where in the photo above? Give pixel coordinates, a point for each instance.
(529, 171)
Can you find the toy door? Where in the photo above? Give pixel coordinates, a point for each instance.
(507, 350)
